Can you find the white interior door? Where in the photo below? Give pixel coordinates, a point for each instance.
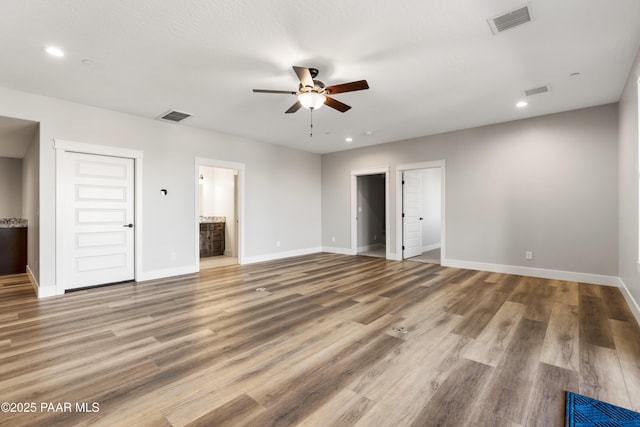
(98, 206)
(411, 211)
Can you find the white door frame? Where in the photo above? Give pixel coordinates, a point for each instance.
(223, 164)
(62, 146)
(443, 229)
(354, 205)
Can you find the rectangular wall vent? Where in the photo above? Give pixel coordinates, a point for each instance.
(511, 19)
(536, 90)
(174, 116)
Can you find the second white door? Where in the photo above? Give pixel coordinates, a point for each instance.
(411, 211)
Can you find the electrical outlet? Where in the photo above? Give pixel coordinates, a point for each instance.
(528, 255)
(174, 256)
(278, 244)
(375, 237)
(333, 239)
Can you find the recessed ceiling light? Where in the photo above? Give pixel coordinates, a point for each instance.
(54, 51)
(522, 104)
(367, 133)
(349, 139)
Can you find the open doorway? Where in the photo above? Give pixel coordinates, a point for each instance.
(422, 212)
(370, 212)
(217, 216)
(371, 216)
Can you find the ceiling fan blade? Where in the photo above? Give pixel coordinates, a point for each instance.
(347, 87)
(295, 107)
(304, 75)
(333, 103)
(288, 92)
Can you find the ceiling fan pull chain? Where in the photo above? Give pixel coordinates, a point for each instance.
(311, 127)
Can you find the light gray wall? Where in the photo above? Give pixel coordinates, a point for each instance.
(31, 202)
(371, 211)
(10, 187)
(628, 160)
(282, 185)
(547, 184)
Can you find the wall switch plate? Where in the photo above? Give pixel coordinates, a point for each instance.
(528, 255)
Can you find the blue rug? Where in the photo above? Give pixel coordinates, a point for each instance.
(582, 411)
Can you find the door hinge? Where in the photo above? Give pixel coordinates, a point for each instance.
(402, 214)
(403, 247)
(403, 182)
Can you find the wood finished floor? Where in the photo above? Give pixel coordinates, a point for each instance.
(333, 341)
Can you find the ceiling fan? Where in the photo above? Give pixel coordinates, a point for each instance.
(313, 94)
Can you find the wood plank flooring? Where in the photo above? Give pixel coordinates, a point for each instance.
(332, 340)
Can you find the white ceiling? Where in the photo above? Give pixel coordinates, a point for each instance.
(432, 66)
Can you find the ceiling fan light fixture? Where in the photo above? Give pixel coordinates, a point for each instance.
(311, 100)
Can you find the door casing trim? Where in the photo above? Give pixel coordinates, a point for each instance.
(443, 229)
(222, 164)
(62, 146)
(354, 204)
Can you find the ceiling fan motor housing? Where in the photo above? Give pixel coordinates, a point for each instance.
(318, 86)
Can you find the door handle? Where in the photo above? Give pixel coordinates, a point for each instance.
(128, 225)
(421, 218)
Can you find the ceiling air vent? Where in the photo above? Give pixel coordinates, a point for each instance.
(536, 90)
(174, 116)
(511, 19)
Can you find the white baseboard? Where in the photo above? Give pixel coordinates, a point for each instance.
(392, 256)
(280, 255)
(47, 292)
(543, 273)
(633, 304)
(431, 247)
(372, 247)
(192, 269)
(33, 281)
(167, 272)
(395, 256)
(40, 291)
(341, 251)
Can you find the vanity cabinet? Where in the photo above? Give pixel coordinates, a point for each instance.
(13, 250)
(211, 239)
